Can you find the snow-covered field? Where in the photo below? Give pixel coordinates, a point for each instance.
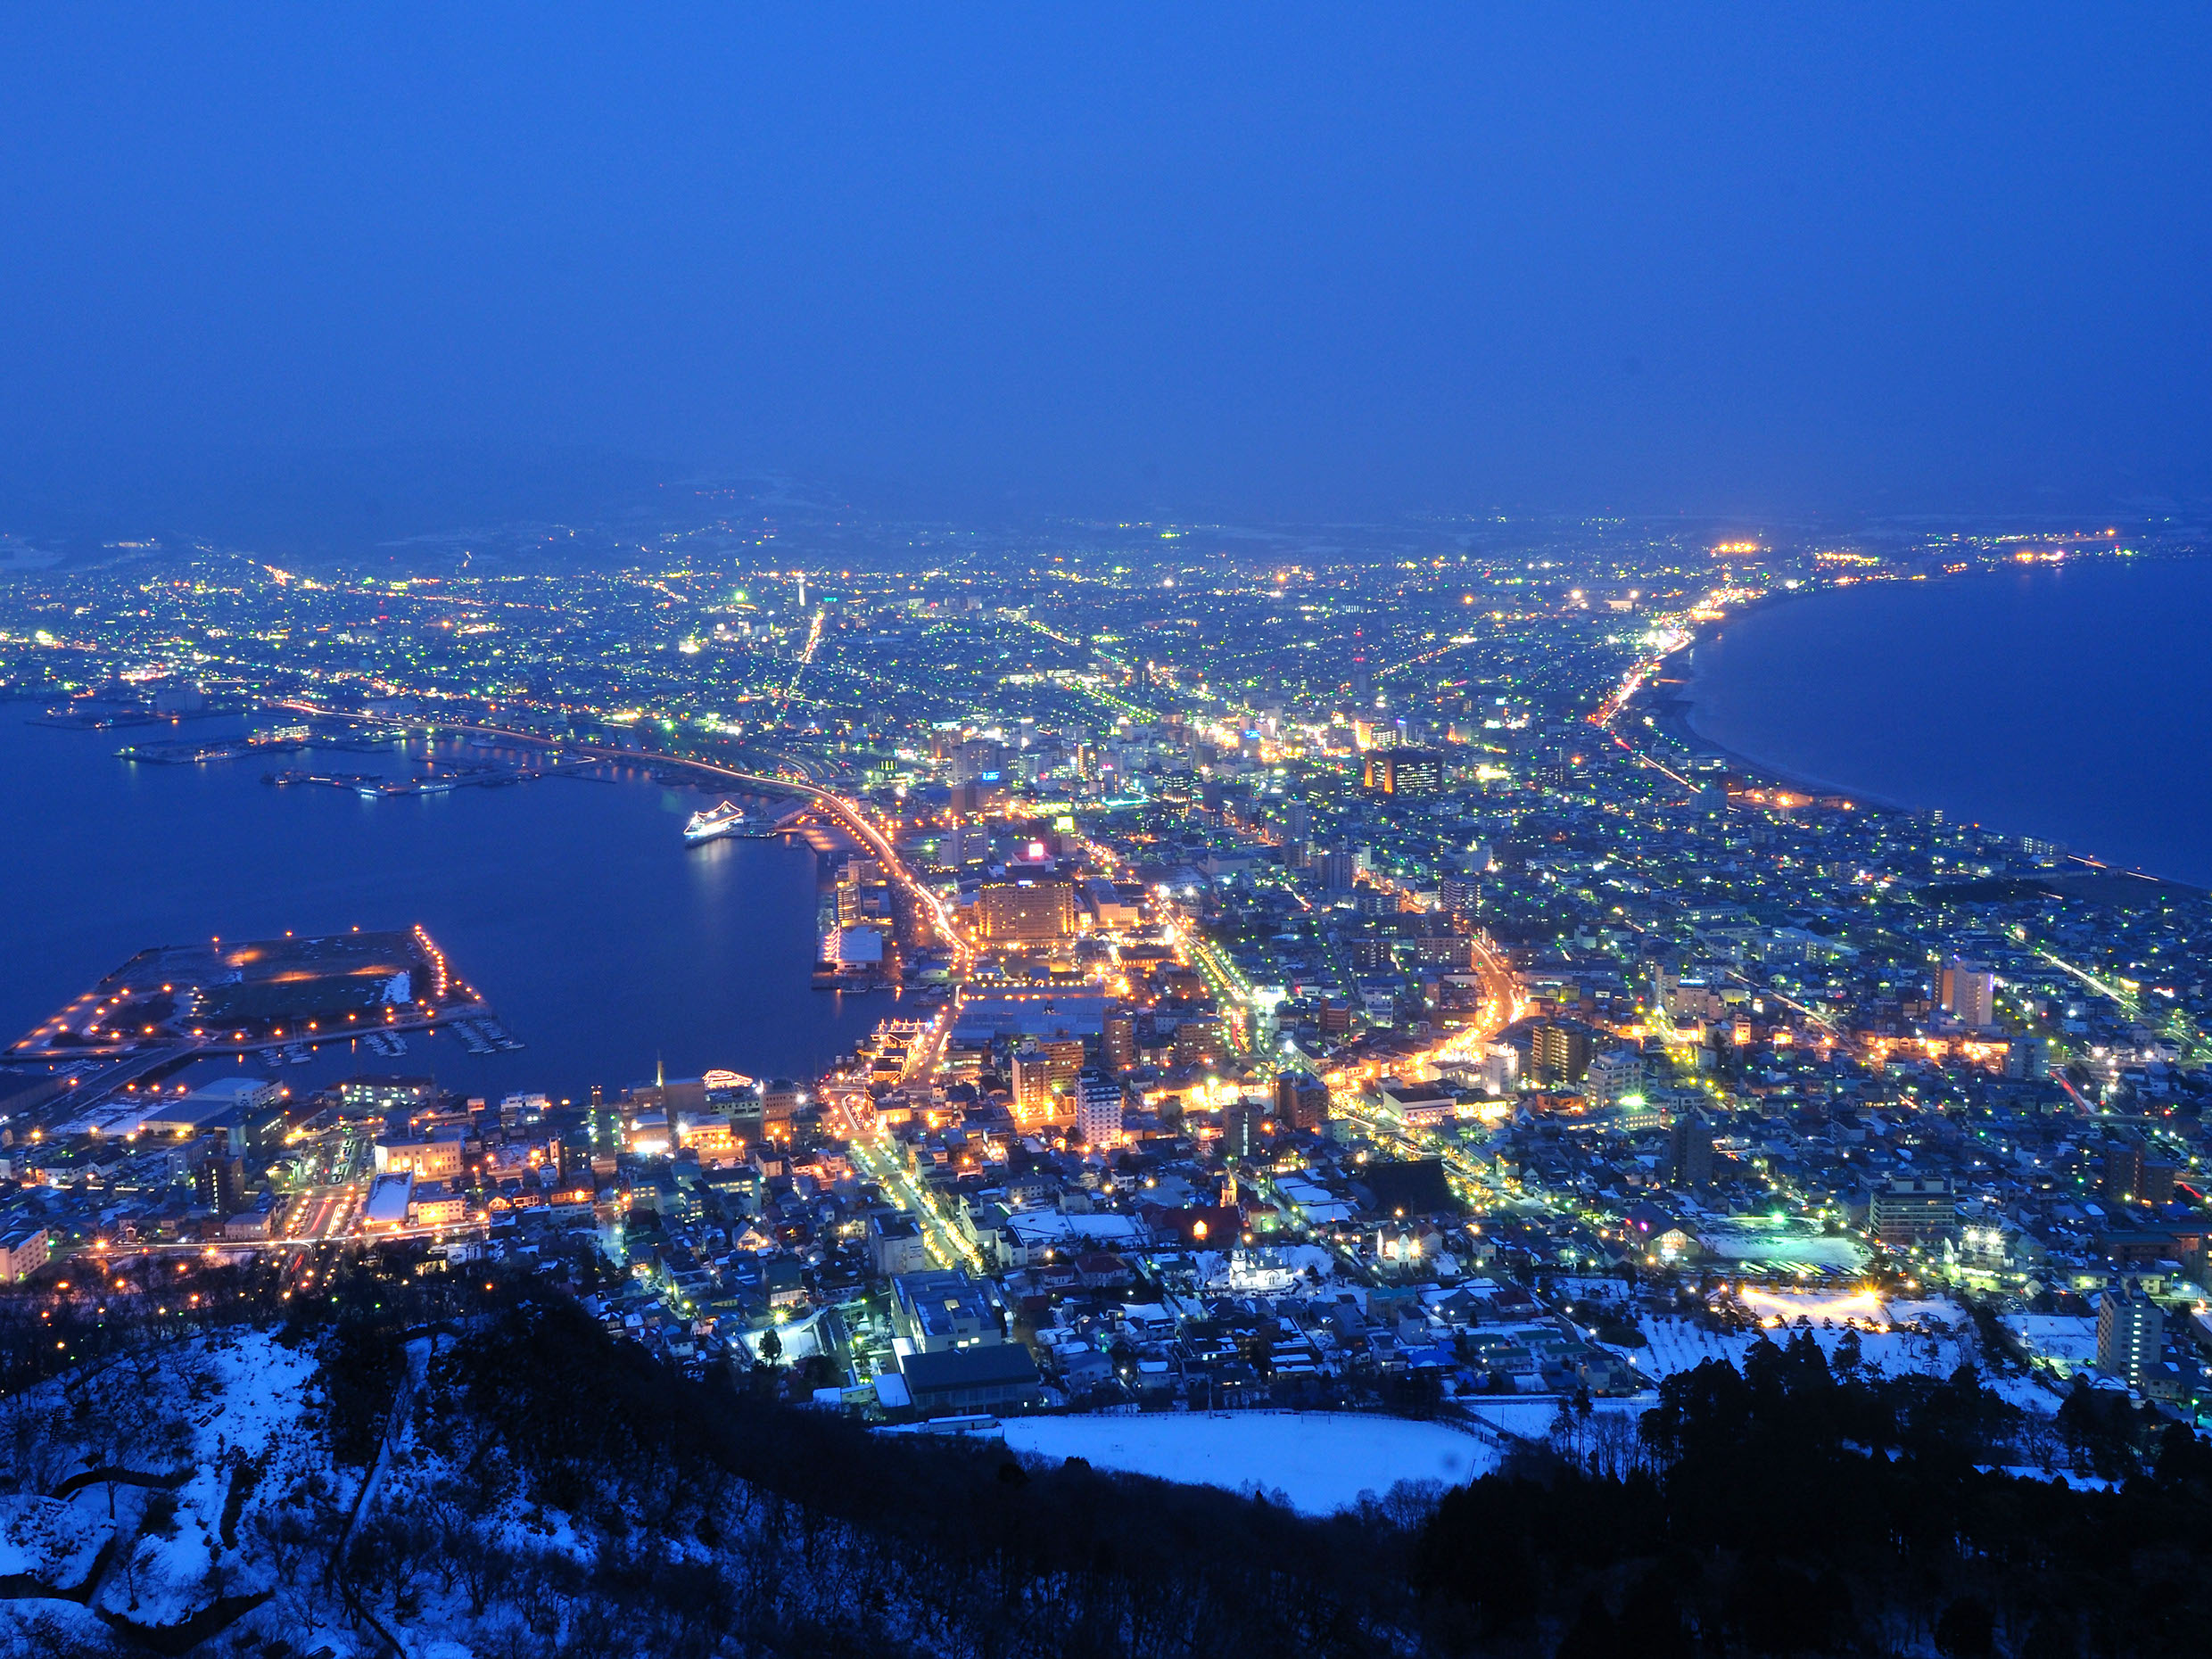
(1531, 1419)
(1320, 1461)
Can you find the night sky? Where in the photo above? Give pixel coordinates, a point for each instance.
(1272, 261)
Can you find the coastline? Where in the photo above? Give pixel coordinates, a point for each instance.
(1673, 712)
(1673, 696)
(702, 956)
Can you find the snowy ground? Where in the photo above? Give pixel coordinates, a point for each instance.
(1942, 1340)
(1679, 1344)
(221, 1424)
(50, 1537)
(1321, 1461)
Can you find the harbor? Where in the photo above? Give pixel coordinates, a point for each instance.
(700, 952)
(258, 995)
(278, 1001)
(185, 752)
(442, 778)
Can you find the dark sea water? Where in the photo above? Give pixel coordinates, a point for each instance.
(2071, 704)
(570, 903)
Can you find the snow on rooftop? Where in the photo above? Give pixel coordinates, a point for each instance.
(2067, 1338)
(1035, 1228)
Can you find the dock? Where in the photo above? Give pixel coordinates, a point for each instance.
(444, 781)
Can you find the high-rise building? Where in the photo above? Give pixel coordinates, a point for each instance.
(1063, 1056)
(1501, 1070)
(1559, 1053)
(1969, 993)
(1098, 1110)
(22, 1252)
(1025, 912)
(964, 845)
(1691, 1150)
(2029, 1056)
(1301, 1099)
(1339, 866)
(1196, 1041)
(1241, 1126)
(1912, 1210)
(2134, 1175)
(1033, 1085)
(1404, 772)
(2131, 1333)
(1116, 1043)
(1614, 1074)
(978, 761)
(217, 1184)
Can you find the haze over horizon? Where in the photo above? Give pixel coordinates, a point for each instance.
(1340, 263)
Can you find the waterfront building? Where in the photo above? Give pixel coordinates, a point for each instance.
(384, 1096)
(437, 1158)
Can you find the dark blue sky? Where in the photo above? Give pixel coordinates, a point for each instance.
(1266, 261)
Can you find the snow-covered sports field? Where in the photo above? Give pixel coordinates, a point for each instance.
(1321, 1461)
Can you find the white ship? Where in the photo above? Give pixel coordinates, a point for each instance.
(727, 819)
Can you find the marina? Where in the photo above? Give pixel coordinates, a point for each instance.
(484, 1036)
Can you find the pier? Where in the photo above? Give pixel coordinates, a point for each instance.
(451, 777)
